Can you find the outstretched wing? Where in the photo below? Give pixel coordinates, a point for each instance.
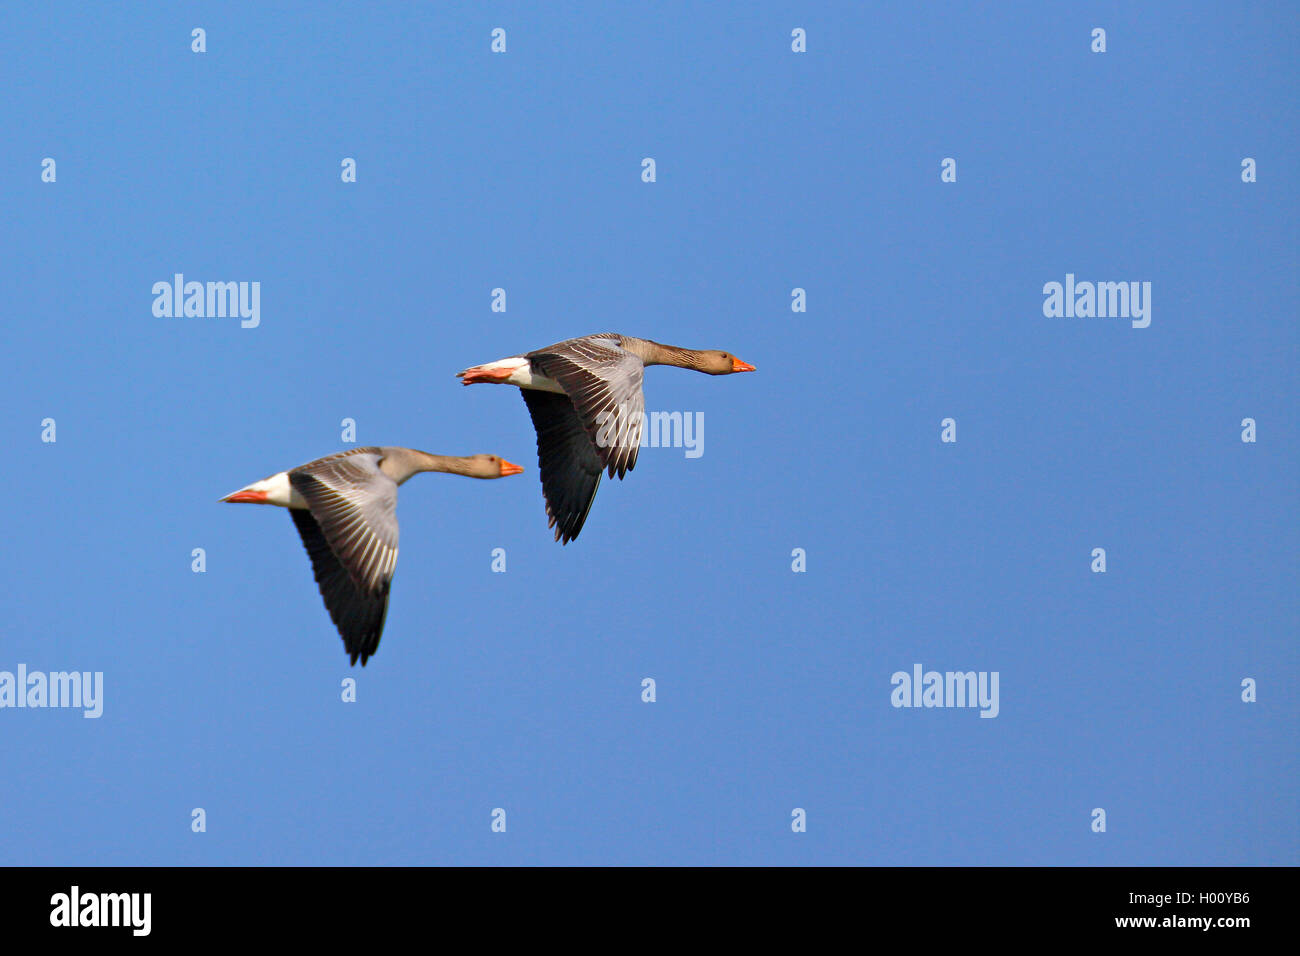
(567, 459)
(603, 381)
(350, 533)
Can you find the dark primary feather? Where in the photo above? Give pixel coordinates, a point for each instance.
(567, 459)
(357, 612)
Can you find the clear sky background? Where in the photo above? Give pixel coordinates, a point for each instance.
(775, 170)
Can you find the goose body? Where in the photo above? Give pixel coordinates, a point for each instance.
(585, 399)
(345, 509)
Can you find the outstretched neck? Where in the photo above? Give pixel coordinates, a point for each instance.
(656, 353)
(402, 463)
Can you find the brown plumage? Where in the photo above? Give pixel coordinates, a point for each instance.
(585, 399)
(345, 509)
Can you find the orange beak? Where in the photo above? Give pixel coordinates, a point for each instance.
(738, 366)
(507, 469)
(249, 497)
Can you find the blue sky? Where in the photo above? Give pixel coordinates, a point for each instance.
(775, 170)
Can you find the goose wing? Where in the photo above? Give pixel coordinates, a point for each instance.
(350, 532)
(603, 382)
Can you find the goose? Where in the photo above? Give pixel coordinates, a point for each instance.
(344, 506)
(585, 399)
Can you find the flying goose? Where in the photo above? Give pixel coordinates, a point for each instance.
(585, 399)
(344, 506)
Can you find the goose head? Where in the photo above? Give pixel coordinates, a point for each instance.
(491, 466)
(717, 362)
